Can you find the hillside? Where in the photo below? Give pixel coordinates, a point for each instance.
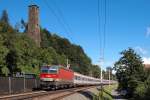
(20, 54)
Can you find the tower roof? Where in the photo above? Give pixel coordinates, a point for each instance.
(33, 5)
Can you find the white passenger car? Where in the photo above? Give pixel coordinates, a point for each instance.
(80, 79)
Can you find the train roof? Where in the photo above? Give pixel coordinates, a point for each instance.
(76, 73)
(54, 66)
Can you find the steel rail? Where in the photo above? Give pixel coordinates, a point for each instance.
(40, 94)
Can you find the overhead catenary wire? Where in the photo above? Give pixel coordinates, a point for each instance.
(99, 35)
(99, 28)
(102, 20)
(60, 19)
(104, 30)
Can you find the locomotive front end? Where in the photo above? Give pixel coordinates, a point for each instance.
(48, 76)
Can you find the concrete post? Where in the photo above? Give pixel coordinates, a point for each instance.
(24, 82)
(9, 80)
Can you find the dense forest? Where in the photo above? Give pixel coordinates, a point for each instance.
(19, 53)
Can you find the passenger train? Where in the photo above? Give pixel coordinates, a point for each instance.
(57, 76)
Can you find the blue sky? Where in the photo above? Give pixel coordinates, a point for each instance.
(128, 24)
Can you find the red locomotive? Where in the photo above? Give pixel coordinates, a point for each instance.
(56, 77)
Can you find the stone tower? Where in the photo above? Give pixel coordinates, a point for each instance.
(33, 24)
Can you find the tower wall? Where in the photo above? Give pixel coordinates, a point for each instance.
(33, 24)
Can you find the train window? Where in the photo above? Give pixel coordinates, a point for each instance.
(76, 78)
(44, 71)
(79, 78)
(52, 71)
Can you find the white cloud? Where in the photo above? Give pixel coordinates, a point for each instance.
(148, 32)
(140, 50)
(146, 60)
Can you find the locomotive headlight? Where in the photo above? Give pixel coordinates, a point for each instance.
(50, 79)
(47, 79)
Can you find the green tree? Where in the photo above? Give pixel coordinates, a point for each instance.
(96, 71)
(45, 35)
(142, 91)
(28, 53)
(4, 18)
(3, 52)
(108, 70)
(5, 28)
(129, 71)
(46, 56)
(11, 61)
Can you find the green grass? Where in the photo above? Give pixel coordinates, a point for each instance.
(105, 93)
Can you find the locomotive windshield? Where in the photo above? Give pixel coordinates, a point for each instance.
(44, 71)
(51, 69)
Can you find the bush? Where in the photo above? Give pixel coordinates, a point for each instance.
(140, 90)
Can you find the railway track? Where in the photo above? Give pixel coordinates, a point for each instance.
(45, 95)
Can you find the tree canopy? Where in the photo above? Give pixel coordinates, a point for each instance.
(131, 75)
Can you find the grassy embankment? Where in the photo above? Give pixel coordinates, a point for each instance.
(105, 93)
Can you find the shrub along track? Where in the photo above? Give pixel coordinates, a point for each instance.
(45, 95)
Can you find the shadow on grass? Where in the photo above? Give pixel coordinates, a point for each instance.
(117, 96)
(91, 96)
(88, 94)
